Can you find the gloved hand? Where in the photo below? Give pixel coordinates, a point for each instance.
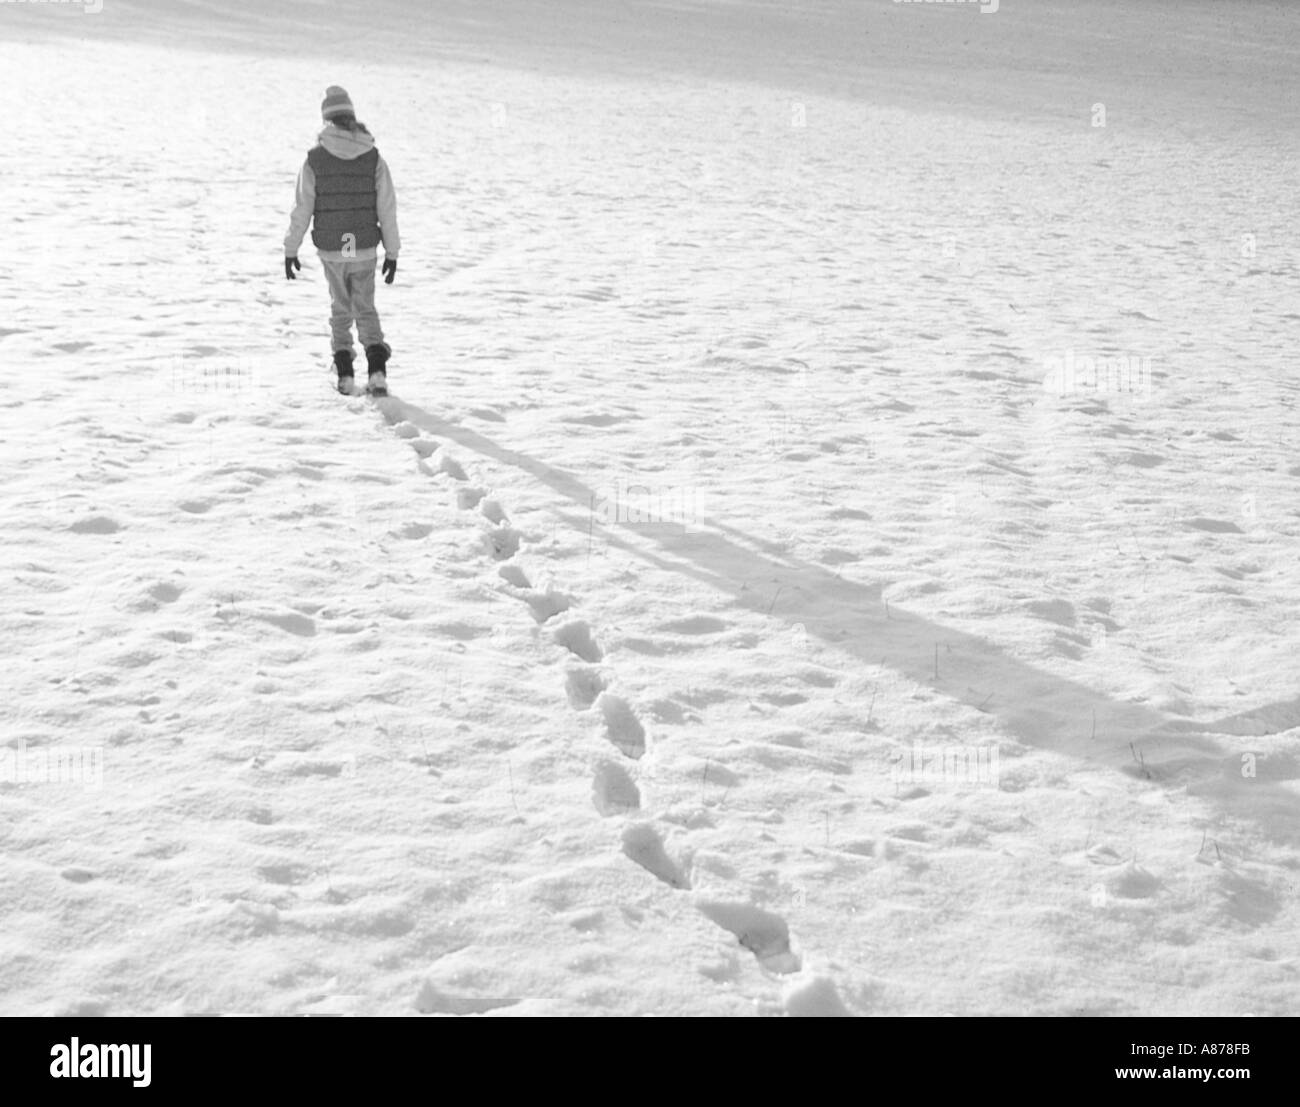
(389, 270)
(290, 264)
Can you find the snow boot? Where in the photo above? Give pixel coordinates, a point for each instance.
(377, 363)
(343, 364)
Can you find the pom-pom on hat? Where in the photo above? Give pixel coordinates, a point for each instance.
(336, 102)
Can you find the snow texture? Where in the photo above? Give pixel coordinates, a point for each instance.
(830, 549)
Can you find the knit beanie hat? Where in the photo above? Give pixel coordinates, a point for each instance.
(336, 102)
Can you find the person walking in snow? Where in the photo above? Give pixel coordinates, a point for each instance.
(346, 193)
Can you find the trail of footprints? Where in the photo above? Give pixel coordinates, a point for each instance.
(614, 790)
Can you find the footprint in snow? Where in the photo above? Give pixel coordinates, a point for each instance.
(642, 844)
(582, 686)
(576, 638)
(512, 574)
(816, 997)
(503, 542)
(467, 498)
(613, 791)
(765, 935)
(622, 727)
(451, 467)
(546, 605)
(492, 511)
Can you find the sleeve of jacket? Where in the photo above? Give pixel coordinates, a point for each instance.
(304, 203)
(387, 204)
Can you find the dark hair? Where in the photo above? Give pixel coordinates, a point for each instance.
(348, 122)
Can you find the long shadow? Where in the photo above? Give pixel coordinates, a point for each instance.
(1039, 708)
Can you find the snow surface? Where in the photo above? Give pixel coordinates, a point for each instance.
(604, 669)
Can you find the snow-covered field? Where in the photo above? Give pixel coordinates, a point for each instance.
(752, 599)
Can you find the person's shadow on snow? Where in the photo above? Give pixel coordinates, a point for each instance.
(1039, 708)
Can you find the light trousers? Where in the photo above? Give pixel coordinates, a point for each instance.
(352, 298)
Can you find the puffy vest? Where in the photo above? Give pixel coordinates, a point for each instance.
(346, 201)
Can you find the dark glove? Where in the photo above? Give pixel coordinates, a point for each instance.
(390, 270)
(290, 264)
